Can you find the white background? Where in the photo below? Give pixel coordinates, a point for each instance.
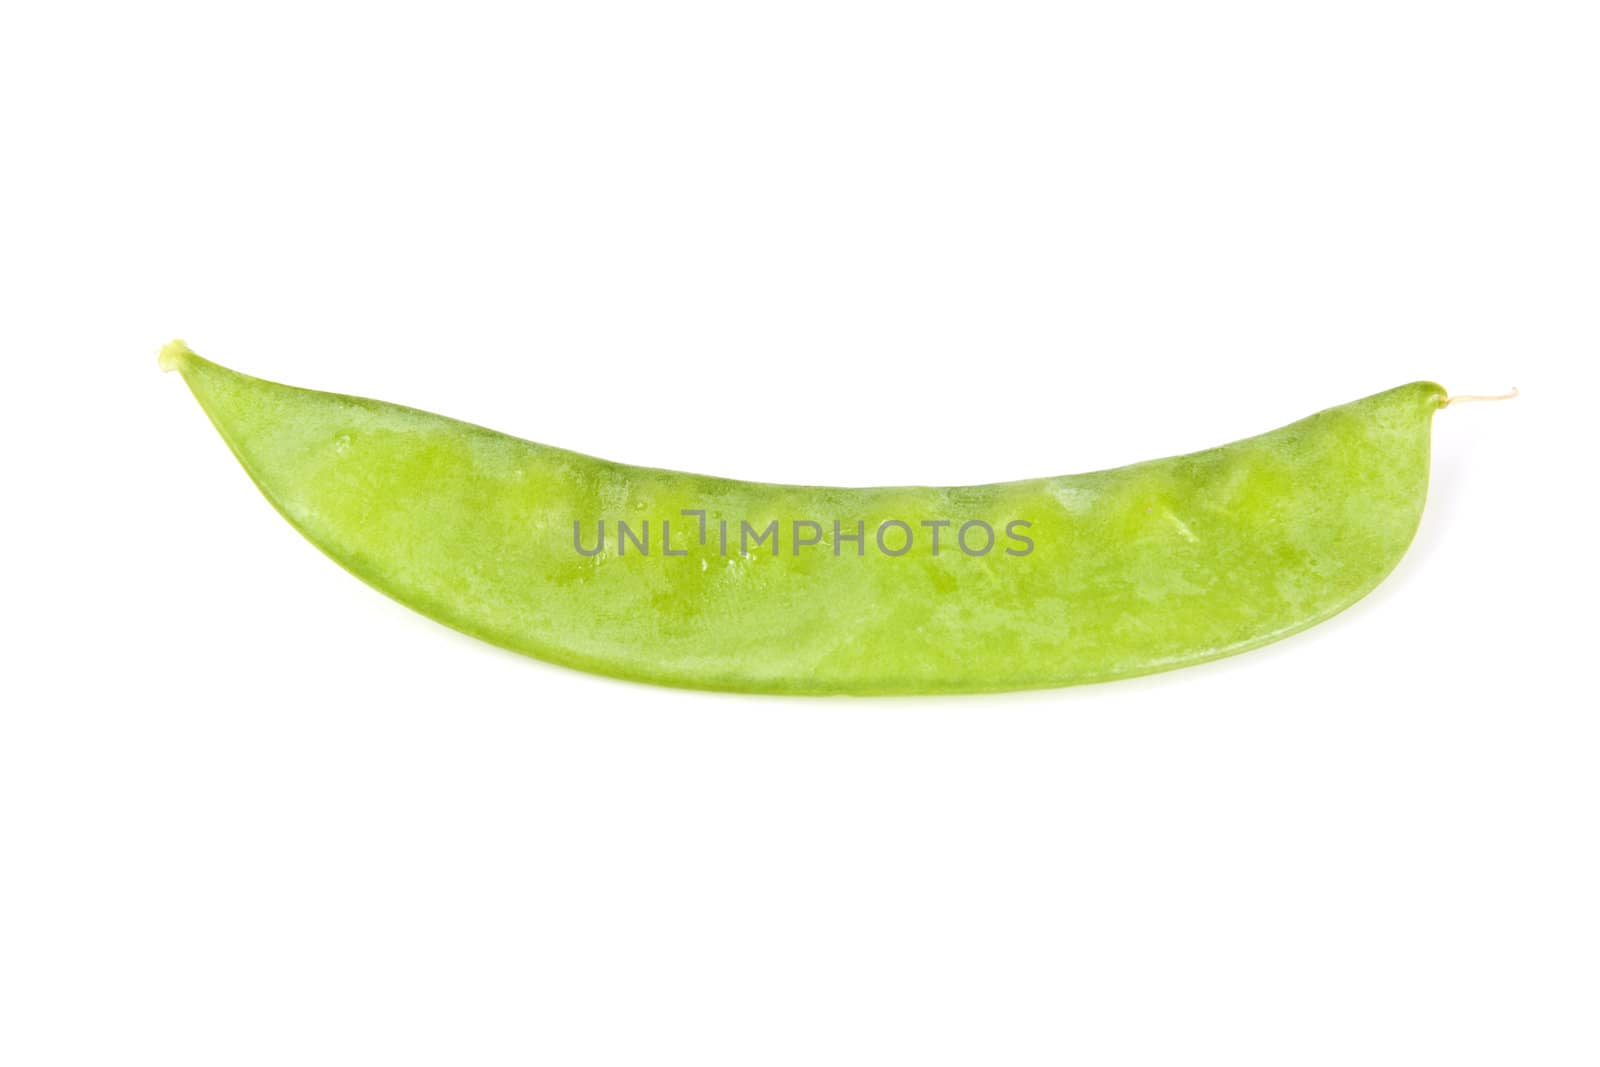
(251, 812)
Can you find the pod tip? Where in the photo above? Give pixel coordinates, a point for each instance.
(174, 354)
(1448, 400)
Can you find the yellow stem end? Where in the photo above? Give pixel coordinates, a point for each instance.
(174, 354)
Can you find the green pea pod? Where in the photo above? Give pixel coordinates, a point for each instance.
(710, 583)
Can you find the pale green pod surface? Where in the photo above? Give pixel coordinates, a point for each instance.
(1088, 577)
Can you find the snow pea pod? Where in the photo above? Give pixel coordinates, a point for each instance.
(687, 580)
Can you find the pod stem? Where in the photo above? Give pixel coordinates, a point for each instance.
(1447, 401)
(174, 354)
